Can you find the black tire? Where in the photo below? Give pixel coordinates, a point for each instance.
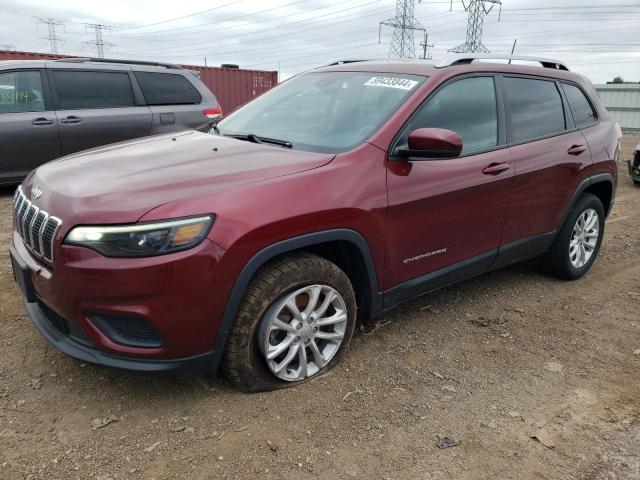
(637, 182)
(244, 364)
(557, 261)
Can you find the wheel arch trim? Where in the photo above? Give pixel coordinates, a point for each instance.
(280, 248)
(586, 183)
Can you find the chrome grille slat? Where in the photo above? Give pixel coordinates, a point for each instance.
(36, 227)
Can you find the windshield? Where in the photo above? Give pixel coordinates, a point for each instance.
(323, 111)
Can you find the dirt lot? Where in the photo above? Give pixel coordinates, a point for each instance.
(560, 358)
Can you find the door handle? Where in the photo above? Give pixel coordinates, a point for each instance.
(42, 121)
(576, 149)
(496, 168)
(71, 119)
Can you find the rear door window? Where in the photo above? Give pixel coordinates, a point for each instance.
(581, 109)
(536, 108)
(21, 92)
(167, 89)
(86, 90)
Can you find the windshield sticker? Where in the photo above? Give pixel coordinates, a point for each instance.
(390, 82)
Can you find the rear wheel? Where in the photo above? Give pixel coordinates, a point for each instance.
(295, 322)
(637, 182)
(578, 242)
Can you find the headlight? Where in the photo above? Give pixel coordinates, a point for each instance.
(142, 239)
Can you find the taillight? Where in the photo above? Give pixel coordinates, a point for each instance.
(212, 112)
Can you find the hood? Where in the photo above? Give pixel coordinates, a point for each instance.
(119, 183)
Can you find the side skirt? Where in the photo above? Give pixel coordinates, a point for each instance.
(514, 252)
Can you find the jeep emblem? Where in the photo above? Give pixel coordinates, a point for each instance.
(36, 192)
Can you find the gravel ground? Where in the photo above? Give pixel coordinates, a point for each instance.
(490, 362)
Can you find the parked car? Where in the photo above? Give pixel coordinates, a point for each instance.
(338, 195)
(634, 166)
(58, 107)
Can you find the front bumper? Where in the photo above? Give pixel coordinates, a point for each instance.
(172, 293)
(66, 343)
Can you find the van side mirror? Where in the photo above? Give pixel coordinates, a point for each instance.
(431, 143)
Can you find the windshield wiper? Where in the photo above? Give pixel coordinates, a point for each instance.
(252, 137)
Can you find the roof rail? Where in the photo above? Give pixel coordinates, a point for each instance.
(465, 58)
(112, 60)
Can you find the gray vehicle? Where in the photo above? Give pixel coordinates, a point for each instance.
(50, 108)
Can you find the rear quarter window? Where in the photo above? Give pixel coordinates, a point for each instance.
(167, 89)
(581, 109)
(535, 107)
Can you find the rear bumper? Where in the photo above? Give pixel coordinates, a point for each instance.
(195, 365)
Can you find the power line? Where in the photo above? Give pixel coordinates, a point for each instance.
(477, 10)
(52, 38)
(222, 20)
(217, 43)
(404, 25)
(99, 44)
(135, 27)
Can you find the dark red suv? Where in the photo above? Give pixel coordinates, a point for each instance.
(335, 196)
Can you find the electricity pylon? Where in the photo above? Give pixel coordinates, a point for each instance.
(99, 44)
(404, 25)
(477, 10)
(52, 38)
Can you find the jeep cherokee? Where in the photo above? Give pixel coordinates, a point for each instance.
(335, 196)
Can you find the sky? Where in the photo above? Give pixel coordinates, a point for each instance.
(598, 38)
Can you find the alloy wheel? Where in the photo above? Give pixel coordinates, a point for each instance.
(584, 238)
(303, 331)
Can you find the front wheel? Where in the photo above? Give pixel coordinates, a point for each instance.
(578, 242)
(295, 322)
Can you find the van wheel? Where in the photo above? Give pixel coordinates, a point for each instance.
(578, 242)
(295, 322)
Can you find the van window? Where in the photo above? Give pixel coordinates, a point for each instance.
(467, 107)
(583, 114)
(81, 89)
(536, 108)
(167, 89)
(21, 92)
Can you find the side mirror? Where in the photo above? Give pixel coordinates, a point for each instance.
(426, 143)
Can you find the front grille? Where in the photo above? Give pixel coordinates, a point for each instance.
(36, 227)
(636, 159)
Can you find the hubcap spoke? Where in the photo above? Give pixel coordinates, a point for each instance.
(302, 359)
(276, 350)
(291, 354)
(293, 308)
(328, 298)
(314, 294)
(318, 357)
(280, 325)
(337, 318)
(330, 336)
